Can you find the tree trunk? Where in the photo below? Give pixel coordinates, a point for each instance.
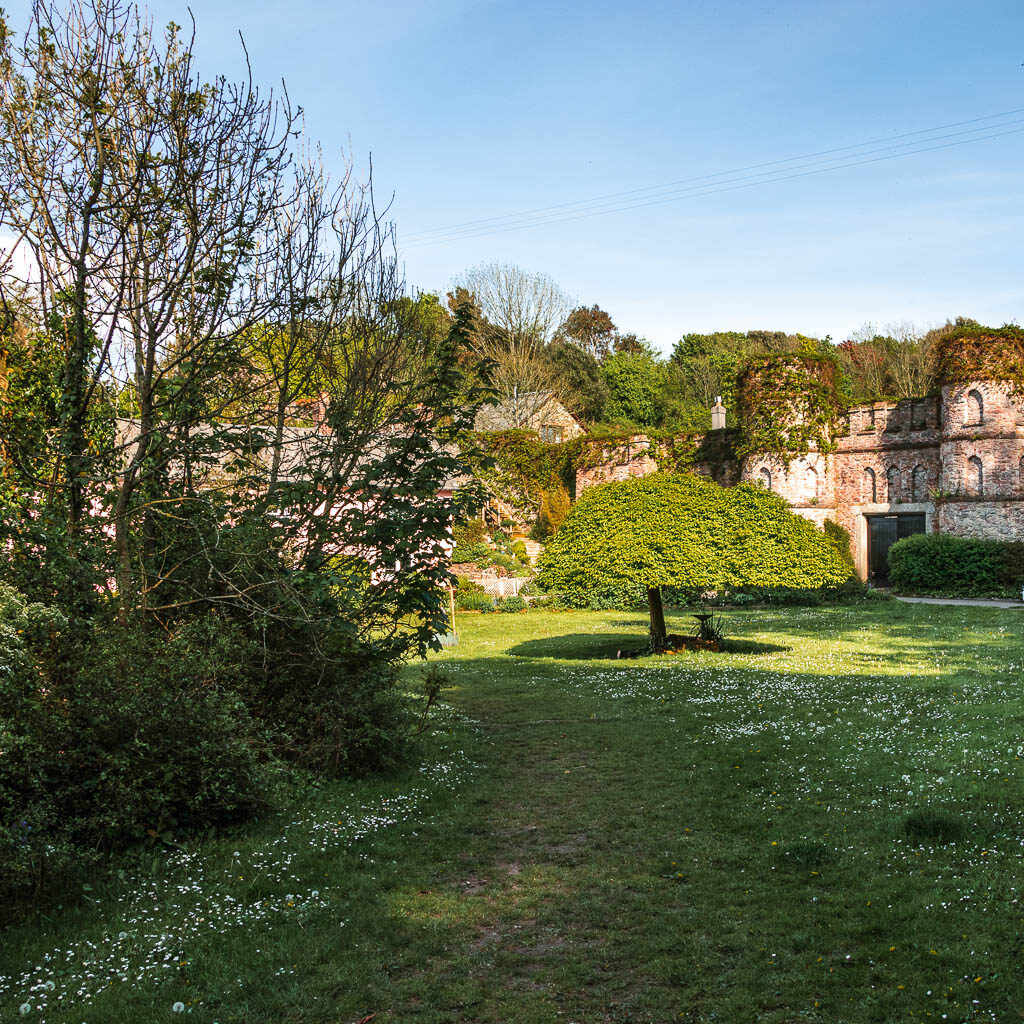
(659, 634)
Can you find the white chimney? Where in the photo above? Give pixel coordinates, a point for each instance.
(718, 415)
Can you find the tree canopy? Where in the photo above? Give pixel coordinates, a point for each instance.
(684, 531)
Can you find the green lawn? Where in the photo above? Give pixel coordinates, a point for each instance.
(829, 829)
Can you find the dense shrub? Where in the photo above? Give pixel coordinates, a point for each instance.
(839, 538)
(686, 532)
(554, 507)
(470, 602)
(349, 719)
(161, 733)
(472, 531)
(107, 735)
(464, 585)
(466, 553)
(308, 652)
(513, 603)
(932, 563)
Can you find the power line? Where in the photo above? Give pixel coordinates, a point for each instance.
(720, 182)
(697, 194)
(705, 177)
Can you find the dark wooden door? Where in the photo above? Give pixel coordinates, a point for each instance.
(881, 536)
(883, 532)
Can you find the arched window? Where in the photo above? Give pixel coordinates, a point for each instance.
(975, 476)
(919, 484)
(975, 408)
(765, 477)
(812, 482)
(892, 485)
(869, 490)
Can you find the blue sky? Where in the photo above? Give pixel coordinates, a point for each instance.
(475, 110)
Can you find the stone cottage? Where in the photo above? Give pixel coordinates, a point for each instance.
(540, 411)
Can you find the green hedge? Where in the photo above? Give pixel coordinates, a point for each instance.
(932, 563)
(685, 532)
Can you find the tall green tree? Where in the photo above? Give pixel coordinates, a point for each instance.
(636, 389)
(581, 385)
(591, 329)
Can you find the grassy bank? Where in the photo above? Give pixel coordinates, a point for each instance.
(828, 827)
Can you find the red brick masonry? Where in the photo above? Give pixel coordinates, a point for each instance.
(957, 457)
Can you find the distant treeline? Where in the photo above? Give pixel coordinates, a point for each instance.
(613, 380)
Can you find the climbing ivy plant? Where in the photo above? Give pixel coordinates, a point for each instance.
(789, 405)
(973, 352)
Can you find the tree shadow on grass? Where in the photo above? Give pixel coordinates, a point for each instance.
(589, 646)
(739, 645)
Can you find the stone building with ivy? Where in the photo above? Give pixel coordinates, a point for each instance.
(540, 411)
(949, 462)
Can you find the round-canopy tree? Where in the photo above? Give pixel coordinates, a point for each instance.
(685, 531)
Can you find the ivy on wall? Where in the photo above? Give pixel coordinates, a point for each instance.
(526, 473)
(672, 452)
(976, 353)
(789, 405)
(528, 462)
(676, 453)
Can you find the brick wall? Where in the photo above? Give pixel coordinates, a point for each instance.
(957, 458)
(619, 460)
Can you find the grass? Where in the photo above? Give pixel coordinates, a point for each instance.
(826, 824)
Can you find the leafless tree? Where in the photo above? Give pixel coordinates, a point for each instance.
(894, 360)
(522, 314)
(911, 364)
(244, 314)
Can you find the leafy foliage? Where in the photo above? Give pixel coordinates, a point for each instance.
(466, 553)
(471, 601)
(520, 469)
(591, 330)
(582, 388)
(676, 453)
(554, 507)
(932, 563)
(971, 352)
(839, 538)
(228, 442)
(789, 405)
(636, 384)
(107, 733)
(703, 367)
(687, 532)
(894, 365)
